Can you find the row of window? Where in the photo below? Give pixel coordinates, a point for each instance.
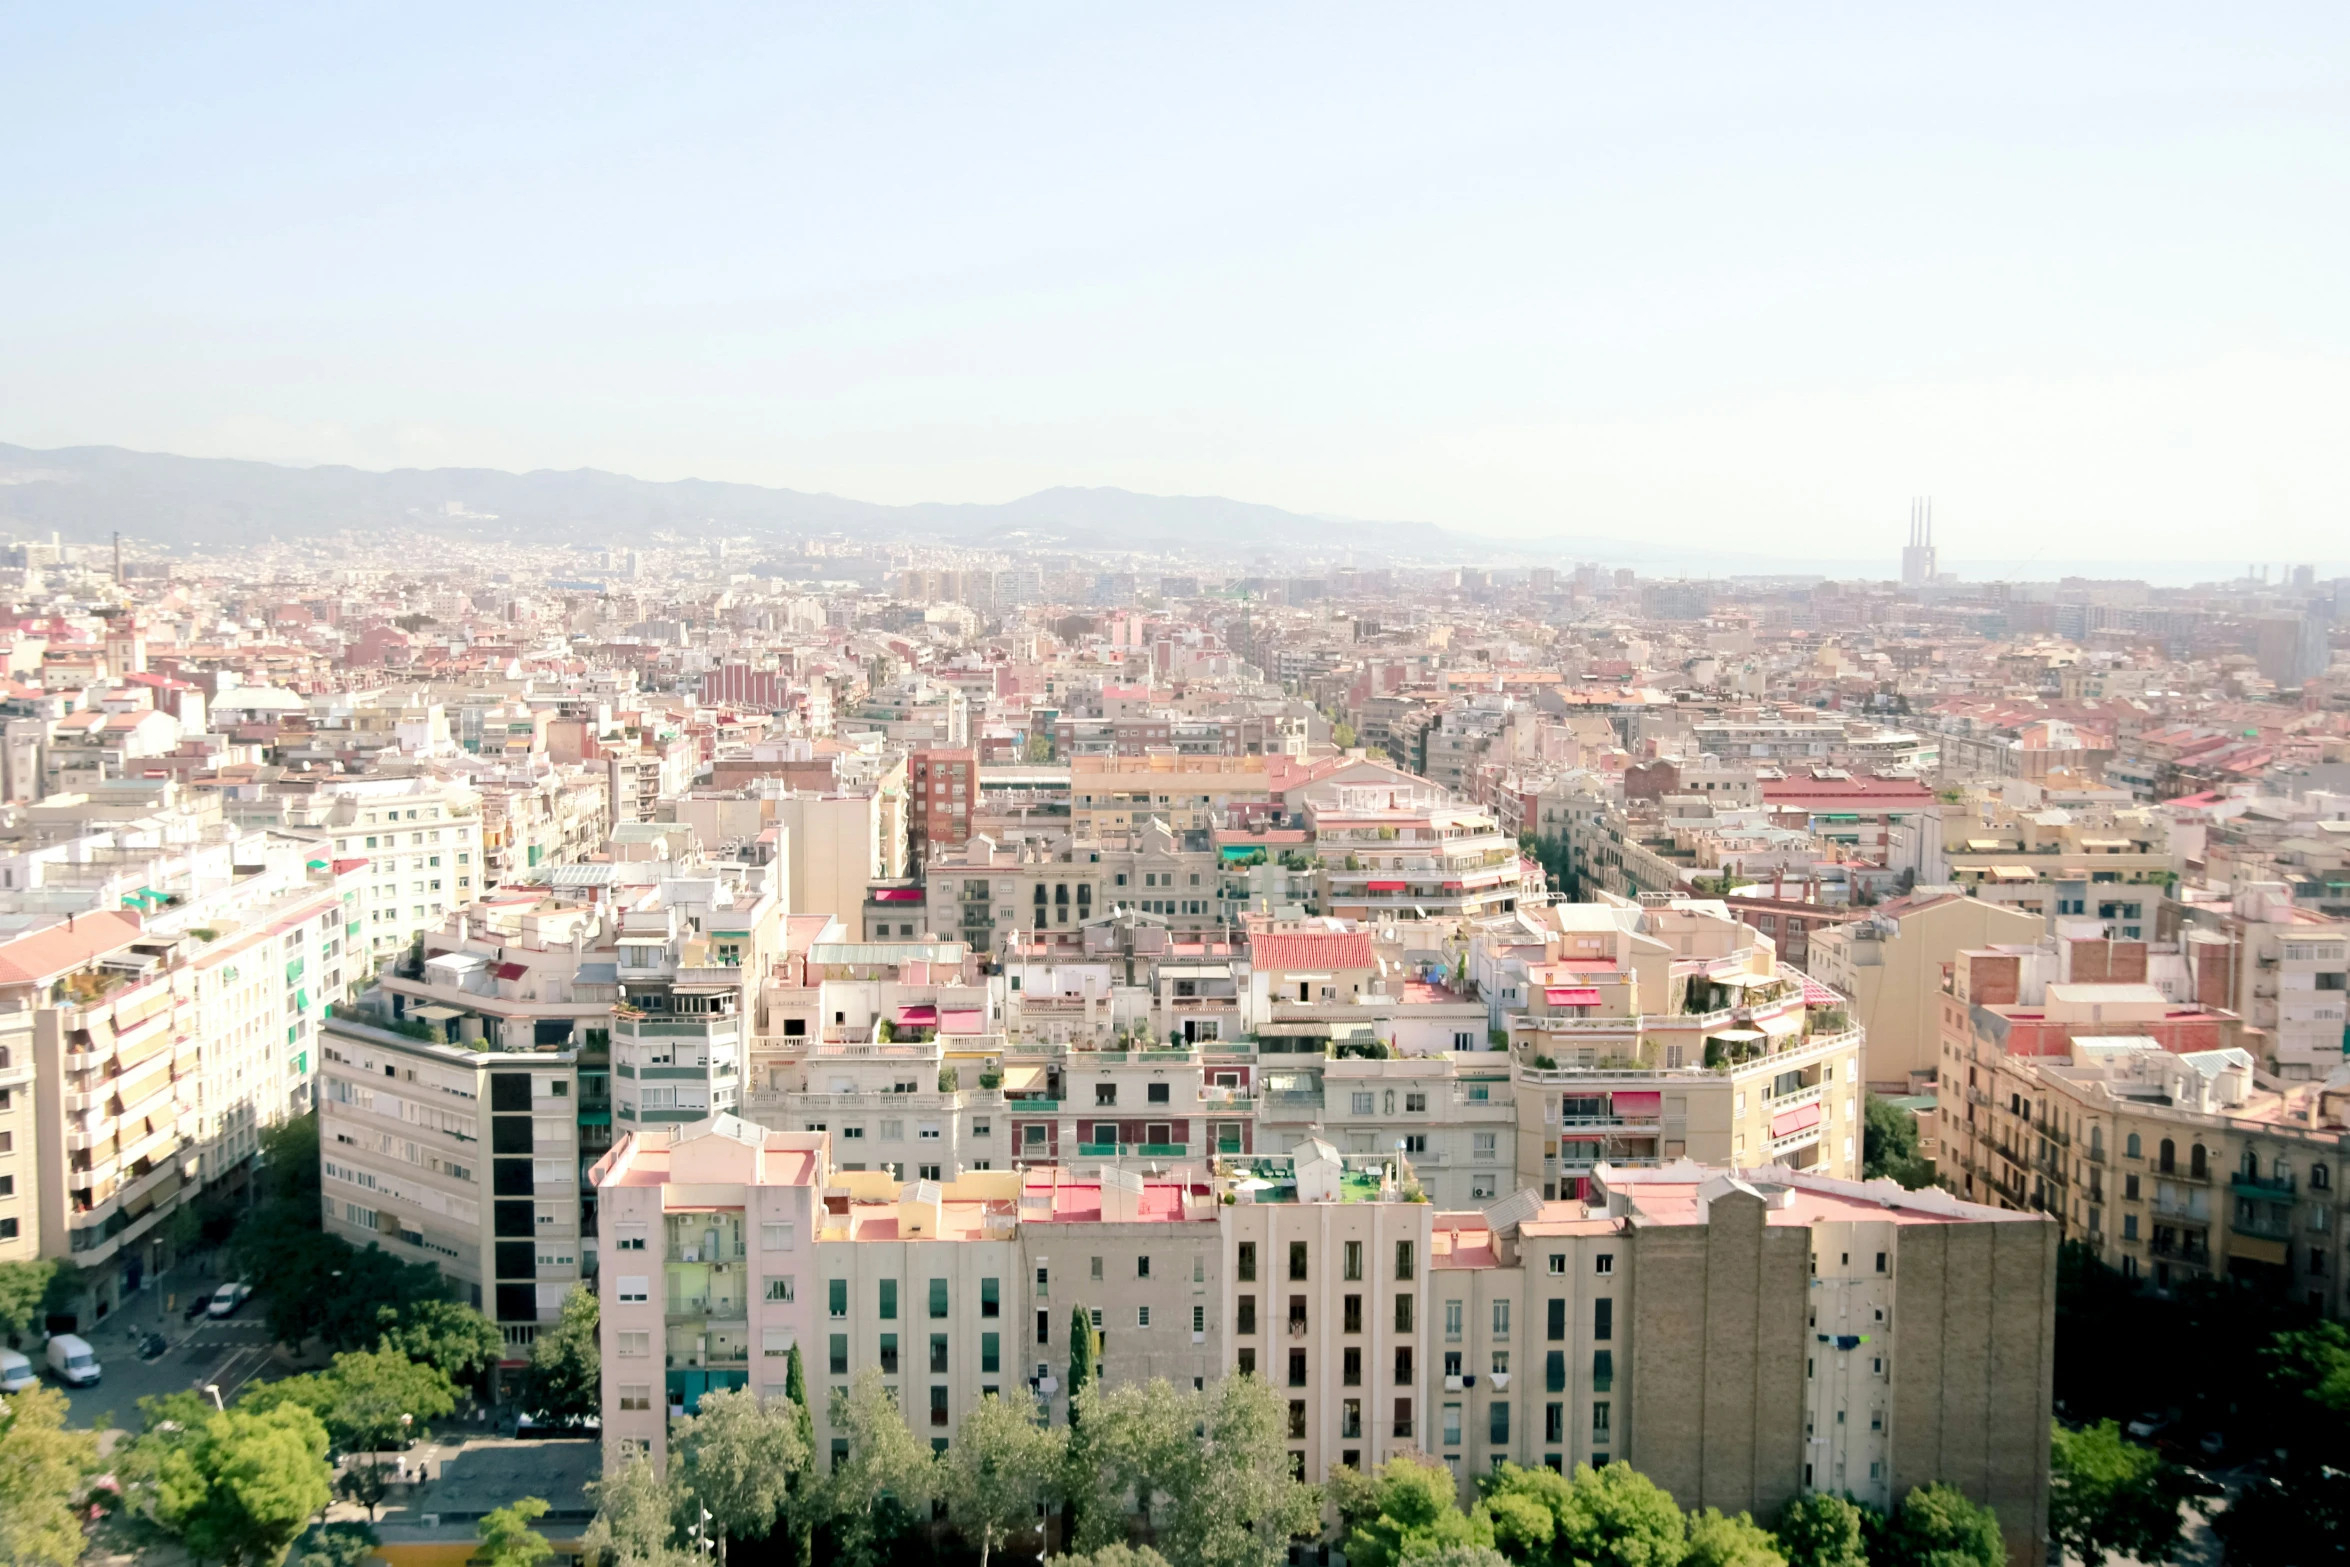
(1350, 1254)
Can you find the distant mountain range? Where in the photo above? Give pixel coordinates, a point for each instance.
(87, 492)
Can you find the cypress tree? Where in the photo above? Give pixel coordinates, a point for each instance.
(804, 1484)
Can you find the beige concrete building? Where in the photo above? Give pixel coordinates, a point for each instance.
(1889, 967)
(463, 1156)
(20, 1165)
(1743, 1336)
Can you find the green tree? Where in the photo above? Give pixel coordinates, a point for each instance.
(636, 1519)
(44, 1469)
(371, 1402)
(1820, 1530)
(1082, 1348)
(1412, 1513)
(507, 1538)
(342, 1544)
(1459, 1556)
(1119, 1555)
(243, 1484)
(23, 1285)
(738, 1456)
(999, 1468)
(800, 1504)
(565, 1379)
(458, 1341)
(1937, 1526)
(1612, 1517)
(1128, 1448)
(2306, 1372)
(2107, 1494)
(1240, 1507)
(887, 1479)
(1889, 1145)
(1718, 1540)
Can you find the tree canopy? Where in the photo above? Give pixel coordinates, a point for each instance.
(44, 1470)
(1936, 1526)
(1820, 1530)
(241, 1485)
(566, 1375)
(1412, 1511)
(1000, 1467)
(2109, 1496)
(507, 1538)
(737, 1456)
(885, 1481)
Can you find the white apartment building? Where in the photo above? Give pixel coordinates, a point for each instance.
(421, 840)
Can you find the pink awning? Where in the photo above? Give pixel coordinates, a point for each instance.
(1816, 994)
(962, 1020)
(1582, 1137)
(1794, 1121)
(924, 1016)
(1640, 1103)
(1385, 886)
(897, 895)
(1571, 998)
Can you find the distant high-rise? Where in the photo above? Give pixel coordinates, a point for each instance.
(1917, 557)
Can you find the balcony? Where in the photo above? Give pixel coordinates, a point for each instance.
(2193, 1211)
(2270, 1226)
(2187, 1174)
(2278, 1188)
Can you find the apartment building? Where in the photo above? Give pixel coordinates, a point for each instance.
(1395, 852)
(1659, 1033)
(1112, 796)
(1744, 1335)
(463, 1156)
(20, 1166)
(690, 957)
(1741, 1335)
(2173, 1166)
(1889, 965)
(2284, 970)
(721, 1250)
(420, 839)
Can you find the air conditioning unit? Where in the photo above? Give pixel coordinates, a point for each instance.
(690, 1254)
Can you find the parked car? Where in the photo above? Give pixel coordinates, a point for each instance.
(72, 1361)
(153, 1346)
(2213, 1444)
(227, 1298)
(2148, 1426)
(16, 1372)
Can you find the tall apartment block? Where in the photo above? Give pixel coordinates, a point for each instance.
(465, 1156)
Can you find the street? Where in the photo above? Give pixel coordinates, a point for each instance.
(229, 1353)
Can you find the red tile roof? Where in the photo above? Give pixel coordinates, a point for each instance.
(62, 948)
(1320, 949)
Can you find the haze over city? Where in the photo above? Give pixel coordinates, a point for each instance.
(1537, 272)
(1271, 787)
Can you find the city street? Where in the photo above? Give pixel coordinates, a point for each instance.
(229, 1353)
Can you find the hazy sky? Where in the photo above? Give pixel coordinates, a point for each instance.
(1748, 273)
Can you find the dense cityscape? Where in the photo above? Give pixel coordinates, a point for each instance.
(842, 1050)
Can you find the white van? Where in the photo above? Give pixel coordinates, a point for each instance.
(16, 1372)
(72, 1361)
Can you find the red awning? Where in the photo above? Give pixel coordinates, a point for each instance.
(510, 971)
(918, 1017)
(1641, 1103)
(1385, 886)
(958, 1020)
(1571, 998)
(897, 895)
(1582, 1137)
(1794, 1121)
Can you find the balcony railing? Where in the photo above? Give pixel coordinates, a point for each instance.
(2276, 1186)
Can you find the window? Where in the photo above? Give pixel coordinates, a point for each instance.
(635, 1289)
(1351, 1367)
(1156, 1093)
(776, 1237)
(636, 1395)
(1354, 1260)
(938, 1406)
(1361, 1103)
(1403, 1365)
(1403, 1260)
(1497, 1423)
(1297, 1420)
(1501, 1319)
(991, 1302)
(1245, 1318)
(1558, 1262)
(1142, 1316)
(633, 1345)
(1044, 1327)
(1452, 1319)
(1245, 1263)
(1297, 1259)
(2131, 1146)
(836, 1297)
(1554, 1371)
(1554, 1425)
(889, 1300)
(1603, 1319)
(632, 1237)
(1142, 1267)
(1403, 1313)
(1199, 1320)
(1351, 1307)
(1415, 1104)
(1555, 1328)
(991, 1352)
(1603, 1370)
(1297, 1368)
(1105, 1093)
(780, 1288)
(1604, 1264)
(938, 1354)
(889, 1354)
(938, 1297)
